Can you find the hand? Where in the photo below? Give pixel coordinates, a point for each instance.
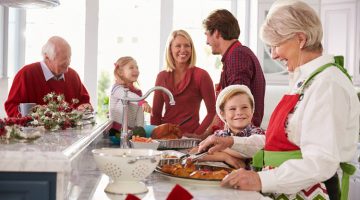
(233, 161)
(146, 107)
(85, 107)
(193, 150)
(243, 180)
(224, 157)
(218, 143)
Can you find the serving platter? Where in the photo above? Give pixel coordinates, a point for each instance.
(189, 180)
(183, 143)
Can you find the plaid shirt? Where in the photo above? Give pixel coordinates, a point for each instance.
(246, 132)
(241, 66)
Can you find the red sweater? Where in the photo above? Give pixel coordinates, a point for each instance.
(195, 87)
(29, 86)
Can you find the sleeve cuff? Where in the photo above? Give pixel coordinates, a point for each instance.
(141, 102)
(268, 181)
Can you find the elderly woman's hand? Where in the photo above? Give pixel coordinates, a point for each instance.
(216, 143)
(243, 180)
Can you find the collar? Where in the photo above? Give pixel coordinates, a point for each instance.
(48, 74)
(230, 49)
(304, 71)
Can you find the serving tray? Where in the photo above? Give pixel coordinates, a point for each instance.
(183, 143)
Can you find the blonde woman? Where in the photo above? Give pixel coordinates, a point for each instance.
(189, 84)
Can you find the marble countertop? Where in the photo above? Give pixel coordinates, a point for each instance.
(160, 186)
(54, 150)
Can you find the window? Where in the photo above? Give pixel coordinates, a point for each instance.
(67, 21)
(130, 28)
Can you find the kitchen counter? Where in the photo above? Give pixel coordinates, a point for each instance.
(160, 186)
(62, 155)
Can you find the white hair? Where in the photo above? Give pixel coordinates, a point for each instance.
(49, 50)
(289, 17)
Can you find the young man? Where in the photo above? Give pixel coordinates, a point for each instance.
(240, 65)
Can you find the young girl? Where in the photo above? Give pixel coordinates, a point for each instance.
(235, 107)
(126, 73)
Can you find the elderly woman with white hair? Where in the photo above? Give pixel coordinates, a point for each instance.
(314, 129)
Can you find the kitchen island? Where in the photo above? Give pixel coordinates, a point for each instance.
(159, 187)
(58, 165)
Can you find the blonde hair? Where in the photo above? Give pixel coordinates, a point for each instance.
(119, 66)
(233, 93)
(286, 18)
(229, 92)
(170, 62)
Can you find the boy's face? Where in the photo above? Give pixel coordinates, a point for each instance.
(238, 112)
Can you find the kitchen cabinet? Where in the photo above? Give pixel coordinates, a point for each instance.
(27, 186)
(340, 24)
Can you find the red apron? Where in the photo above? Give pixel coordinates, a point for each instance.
(277, 140)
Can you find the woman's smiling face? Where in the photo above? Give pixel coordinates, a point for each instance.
(288, 52)
(238, 112)
(181, 50)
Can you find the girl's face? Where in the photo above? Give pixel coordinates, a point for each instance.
(237, 112)
(130, 72)
(181, 50)
(287, 52)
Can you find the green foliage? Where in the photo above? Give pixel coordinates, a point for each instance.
(103, 97)
(139, 131)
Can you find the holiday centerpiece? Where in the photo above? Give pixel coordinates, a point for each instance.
(57, 114)
(17, 128)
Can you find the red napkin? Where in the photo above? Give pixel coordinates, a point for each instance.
(176, 193)
(131, 197)
(179, 192)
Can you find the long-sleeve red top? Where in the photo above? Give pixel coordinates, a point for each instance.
(188, 94)
(30, 86)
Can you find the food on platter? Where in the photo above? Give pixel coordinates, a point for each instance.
(201, 174)
(189, 170)
(166, 156)
(166, 131)
(141, 139)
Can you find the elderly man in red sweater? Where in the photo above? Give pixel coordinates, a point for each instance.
(53, 74)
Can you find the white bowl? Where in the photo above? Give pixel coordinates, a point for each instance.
(145, 145)
(126, 168)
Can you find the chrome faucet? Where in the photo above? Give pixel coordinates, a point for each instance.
(124, 140)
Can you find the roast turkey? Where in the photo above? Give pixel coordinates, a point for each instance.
(166, 131)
